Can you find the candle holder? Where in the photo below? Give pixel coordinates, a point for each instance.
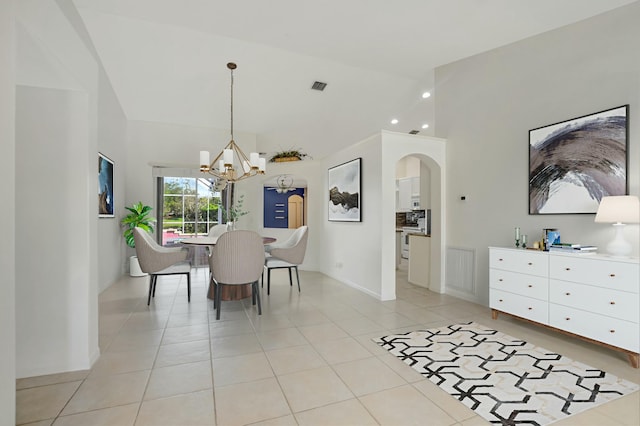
(524, 241)
(517, 237)
(517, 242)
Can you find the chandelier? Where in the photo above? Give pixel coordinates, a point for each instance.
(284, 184)
(232, 165)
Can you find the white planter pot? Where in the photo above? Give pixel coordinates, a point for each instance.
(134, 267)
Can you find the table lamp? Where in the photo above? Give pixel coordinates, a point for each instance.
(619, 210)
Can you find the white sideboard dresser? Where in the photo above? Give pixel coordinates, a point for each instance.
(591, 296)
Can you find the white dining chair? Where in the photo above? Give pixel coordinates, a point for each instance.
(286, 255)
(237, 259)
(157, 260)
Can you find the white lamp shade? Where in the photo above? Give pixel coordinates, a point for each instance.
(253, 159)
(262, 164)
(246, 166)
(221, 165)
(619, 209)
(204, 158)
(228, 156)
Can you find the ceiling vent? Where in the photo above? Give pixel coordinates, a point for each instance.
(318, 85)
(414, 132)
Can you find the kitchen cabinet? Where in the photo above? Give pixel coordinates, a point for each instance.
(591, 296)
(419, 259)
(408, 193)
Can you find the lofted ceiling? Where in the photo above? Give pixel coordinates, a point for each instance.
(166, 60)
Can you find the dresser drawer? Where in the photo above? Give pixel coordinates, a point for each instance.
(599, 300)
(525, 307)
(622, 276)
(622, 334)
(523, 261)
(523, 284)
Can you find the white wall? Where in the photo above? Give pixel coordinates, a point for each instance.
(351, 251)
(7, 216)
(53, 251)
(362, 254)
(486, 104)
(65, 107)
(112, 134)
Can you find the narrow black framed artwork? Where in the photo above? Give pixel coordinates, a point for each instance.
(574, 163)
(105, 186)
(345, 199)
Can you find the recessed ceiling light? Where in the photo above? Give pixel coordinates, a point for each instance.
(394, 121)
(425, 126)
(425, 95)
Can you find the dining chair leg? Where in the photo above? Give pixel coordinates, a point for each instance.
(218, 299)
(155, 282)
(150, 289)
(268, 281)
(290, 280)
(298, 278)
(214, 291)
(189, 286)
(255, 285)
(253, 293)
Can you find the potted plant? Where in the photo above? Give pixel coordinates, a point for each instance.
(289, 155)
(138, 217)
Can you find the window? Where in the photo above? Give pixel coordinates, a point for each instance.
(189, 208)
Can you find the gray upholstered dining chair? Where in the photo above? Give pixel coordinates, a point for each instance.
(286, 255)
(158, 260)
(217, 230)
(237, 259)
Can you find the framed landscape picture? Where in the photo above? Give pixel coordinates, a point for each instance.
(105, 186)
(345, 192)
(574, 163)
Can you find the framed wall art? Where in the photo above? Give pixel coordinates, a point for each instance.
(105, 186)
(345, 198)
(574, 163)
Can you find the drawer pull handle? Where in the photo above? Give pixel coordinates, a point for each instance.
(500, 279)
(567, 294)
(612, 303)
(499, 300)
(567, 269)
(567, 319)
(529, 286)
(530, 308)
(500, 260)
(612, 331)
(612, 275)
(529, 263)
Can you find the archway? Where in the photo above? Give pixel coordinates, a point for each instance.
(432, 153)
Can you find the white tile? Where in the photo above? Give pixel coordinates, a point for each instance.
(313, 388)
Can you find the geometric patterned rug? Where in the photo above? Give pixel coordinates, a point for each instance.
(505, 380)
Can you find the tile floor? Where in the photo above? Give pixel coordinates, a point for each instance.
(308, 360)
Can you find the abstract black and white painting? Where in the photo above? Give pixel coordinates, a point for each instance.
(344, 192)
(574, 163)
(105, 186)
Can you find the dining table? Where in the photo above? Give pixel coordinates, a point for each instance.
(229, 292)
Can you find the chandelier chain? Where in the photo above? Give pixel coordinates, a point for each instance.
(231, 103)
